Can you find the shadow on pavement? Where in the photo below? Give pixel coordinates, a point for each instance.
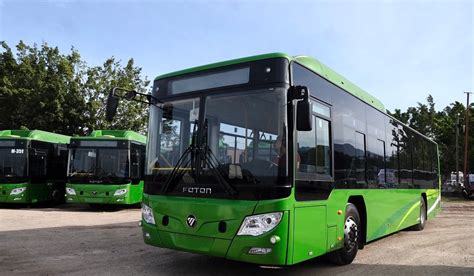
(119, 249)
(202, 265)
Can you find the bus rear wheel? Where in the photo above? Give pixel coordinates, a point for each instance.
(352, 236)
(422, 220)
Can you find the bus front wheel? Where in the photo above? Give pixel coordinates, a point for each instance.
(352, 236)
(58, 197)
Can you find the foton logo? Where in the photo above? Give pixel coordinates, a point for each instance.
(191, 220)
(197, 190)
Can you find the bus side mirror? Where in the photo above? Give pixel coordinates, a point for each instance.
(112, 104)
(304, 117)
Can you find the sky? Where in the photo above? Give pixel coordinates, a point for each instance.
(398, 51)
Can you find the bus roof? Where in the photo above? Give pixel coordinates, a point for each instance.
(37, 135)
(114, 135)
(309, 62)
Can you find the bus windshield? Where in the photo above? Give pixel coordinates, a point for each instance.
(102, 164)
(12, 163)
(233, 147)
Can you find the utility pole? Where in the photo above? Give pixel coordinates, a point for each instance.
(457, 151)
(467, 186)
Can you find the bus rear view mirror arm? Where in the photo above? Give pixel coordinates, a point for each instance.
(304, 118)
(118, 93)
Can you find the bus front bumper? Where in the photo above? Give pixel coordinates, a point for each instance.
(98, 194)
(250, 249)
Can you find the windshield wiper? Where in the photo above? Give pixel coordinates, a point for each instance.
(199, 155)
(183, 161)
(211, 160)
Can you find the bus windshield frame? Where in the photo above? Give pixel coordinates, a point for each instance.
(99, 165)
(201, 172)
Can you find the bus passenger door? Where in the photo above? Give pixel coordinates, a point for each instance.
(313, 185)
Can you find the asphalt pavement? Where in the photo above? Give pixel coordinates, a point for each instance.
(77, 240)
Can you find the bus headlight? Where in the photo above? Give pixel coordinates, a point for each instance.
(147, 214)
(70, 191)
(120, 192)
(259, 224)
(17, 191)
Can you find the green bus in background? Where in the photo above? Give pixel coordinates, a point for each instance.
(106, 167)
(274, 160)
(32, 166)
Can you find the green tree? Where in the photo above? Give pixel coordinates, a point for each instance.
(99, 80)
(41, 88)
(441, 127)
(401, 116)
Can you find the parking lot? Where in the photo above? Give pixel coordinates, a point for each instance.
(75, 239)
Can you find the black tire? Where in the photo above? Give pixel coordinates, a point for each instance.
(58, 197)
(422, 220)
(465, 194)
(352, 236)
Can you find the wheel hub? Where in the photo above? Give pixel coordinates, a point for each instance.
(350, 234)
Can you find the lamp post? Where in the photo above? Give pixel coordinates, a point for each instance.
(457, 151)
(467, 185)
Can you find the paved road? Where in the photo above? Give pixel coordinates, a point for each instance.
(76, 240)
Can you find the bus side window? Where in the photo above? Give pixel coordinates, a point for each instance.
(135, 159)
(307, 151)
(314, 153)
(38, 163)
(360, 164)
(314, 147)
(142, 160)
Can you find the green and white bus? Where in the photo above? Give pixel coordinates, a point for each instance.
(32, 166)
(336, 171)
(106, 167)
